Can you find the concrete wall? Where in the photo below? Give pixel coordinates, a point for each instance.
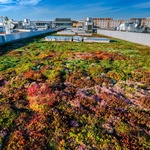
(12, 37)
(140, 38)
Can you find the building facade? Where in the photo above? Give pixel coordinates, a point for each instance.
(80, 24)
(147, 22)
(107, 23)
(102, 22)
(42, 24)
(63, 22)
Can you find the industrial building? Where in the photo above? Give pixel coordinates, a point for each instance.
(42, 24)
(62, 22)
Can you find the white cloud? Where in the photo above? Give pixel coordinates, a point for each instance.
(29, 2)
(19, 2)
(6, 1)
(81, 10)
(16, 5)
(142, 5)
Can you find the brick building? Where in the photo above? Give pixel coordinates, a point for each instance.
(107, 23)
(102, 22)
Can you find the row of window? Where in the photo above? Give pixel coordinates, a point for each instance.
(41, 24)
(64, 24)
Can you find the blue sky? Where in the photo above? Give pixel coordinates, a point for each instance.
(74, 9)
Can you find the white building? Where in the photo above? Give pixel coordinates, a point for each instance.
(42, 24)
(1, 27)
(147, 22)
(62, 22)
(88, 24)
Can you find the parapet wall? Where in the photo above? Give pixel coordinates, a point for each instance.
(140, 38)
(17, 36)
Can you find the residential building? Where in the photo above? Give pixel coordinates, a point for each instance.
(108, 23)
(102, 22)
(114, 23)
(80, 24)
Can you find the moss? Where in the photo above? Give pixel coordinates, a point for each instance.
(145, 142)
(7, 116)
(122, 128)
(68, 95)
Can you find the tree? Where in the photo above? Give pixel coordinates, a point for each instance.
(6, 19)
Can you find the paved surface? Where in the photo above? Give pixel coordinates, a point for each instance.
(140, 38)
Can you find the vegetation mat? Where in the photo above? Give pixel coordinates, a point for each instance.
(74, 96)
